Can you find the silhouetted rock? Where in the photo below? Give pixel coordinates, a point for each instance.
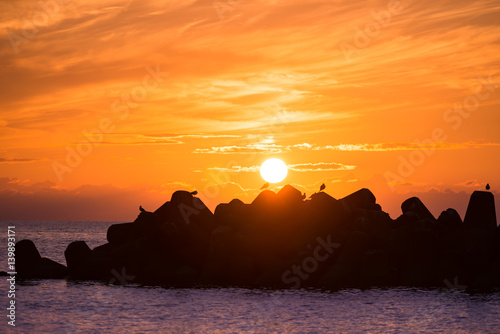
(264, 200)
(230, 260)
(119, 234)
(229, 214)
(106, 248)
(76, 253)
(449, 221)
(289, 196)
(361, 199)
(420, 267)
(450, 218)
(408, 218)
(322, 199)
(186, 210)
(27, 255)
(282, 240)
(375, 270)
(83, 263)
(489, 278)
(481, 211)
(29, 263)
(48, 268)
(451, 264)
(414, 204)
(347, 269)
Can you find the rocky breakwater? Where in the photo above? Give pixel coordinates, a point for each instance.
(283, 240)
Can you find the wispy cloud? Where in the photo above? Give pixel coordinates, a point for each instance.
(250, 148)
(304, 167)
(384, 147)
(153, 139)
(17, 160)
(378, 147)
(320, 167)
(205, 136)
(170, 187)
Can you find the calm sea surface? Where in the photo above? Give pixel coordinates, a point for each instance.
(59, 306)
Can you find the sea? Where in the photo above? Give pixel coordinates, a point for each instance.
(62, 306)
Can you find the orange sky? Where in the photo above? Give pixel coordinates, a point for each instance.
(108, 105)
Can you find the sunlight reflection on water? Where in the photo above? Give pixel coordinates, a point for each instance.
(87, 307)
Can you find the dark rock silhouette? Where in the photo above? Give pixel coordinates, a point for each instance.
(283, 240)
(27, 255)
(416, 206)
(30, 264)
(449, 219)
(361, 199)
(118, 234)
(228, 214)
(84, 263)
(481, 211)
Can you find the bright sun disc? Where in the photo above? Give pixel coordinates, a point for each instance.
(273, 170)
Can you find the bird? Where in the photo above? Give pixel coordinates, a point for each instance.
(488, 186)
(141, 208)
(323, 186)
(265, 186)
(194, 192)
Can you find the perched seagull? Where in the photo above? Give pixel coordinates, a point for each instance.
(194, 192)
(142, 209)
(265, 186)
(488, 186)
(323, 186)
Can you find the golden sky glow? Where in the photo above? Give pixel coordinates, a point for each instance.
(106, 105)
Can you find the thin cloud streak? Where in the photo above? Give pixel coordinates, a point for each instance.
(379, 147)
(304, 167)
(250, 148)
(320, 167)
(17, 160)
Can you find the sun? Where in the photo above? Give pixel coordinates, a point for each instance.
(273, 170)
